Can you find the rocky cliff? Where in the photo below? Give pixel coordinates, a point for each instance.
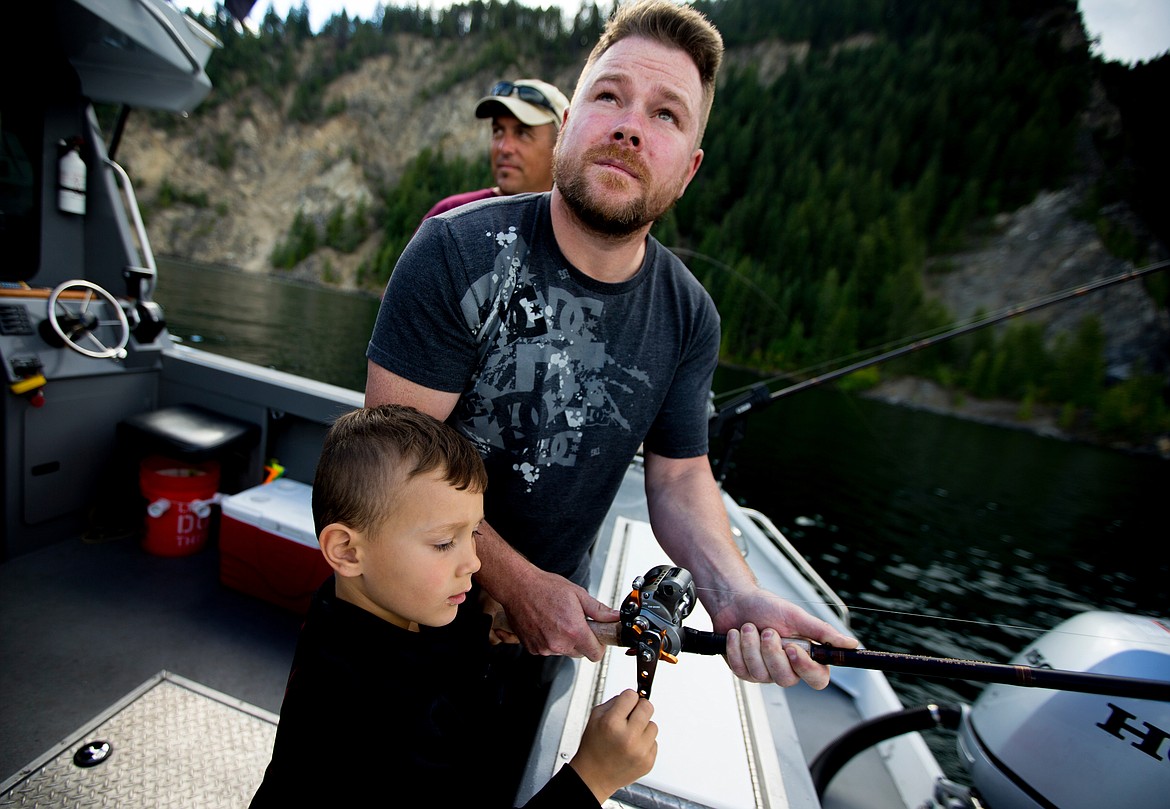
(279, 168)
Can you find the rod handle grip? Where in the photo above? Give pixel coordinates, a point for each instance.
(694, 641)
(609, 633)
(704, 643)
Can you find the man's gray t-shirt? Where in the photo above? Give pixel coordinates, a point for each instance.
(560, 377)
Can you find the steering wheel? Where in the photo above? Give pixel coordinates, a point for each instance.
(74, 308)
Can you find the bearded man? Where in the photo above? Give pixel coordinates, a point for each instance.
(560, 337)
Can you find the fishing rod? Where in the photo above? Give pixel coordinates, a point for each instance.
(731, 415)
(650, 626)
(1003, 673)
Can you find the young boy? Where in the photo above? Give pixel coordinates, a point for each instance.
(386, 697)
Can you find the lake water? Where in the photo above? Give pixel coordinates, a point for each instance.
(945, 537)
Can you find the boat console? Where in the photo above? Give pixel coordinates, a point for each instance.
(81, 341)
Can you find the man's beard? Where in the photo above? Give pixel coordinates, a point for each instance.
(600, 213)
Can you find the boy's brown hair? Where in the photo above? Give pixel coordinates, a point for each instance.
(370, 452)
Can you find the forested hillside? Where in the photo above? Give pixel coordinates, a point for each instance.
(851, 144)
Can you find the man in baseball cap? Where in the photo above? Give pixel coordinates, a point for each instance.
(532, 101)
(526, 115)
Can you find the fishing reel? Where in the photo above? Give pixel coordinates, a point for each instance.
(651, 622)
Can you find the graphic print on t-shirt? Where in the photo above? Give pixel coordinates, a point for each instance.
(544, 371)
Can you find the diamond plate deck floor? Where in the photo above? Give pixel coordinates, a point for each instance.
(173, 743)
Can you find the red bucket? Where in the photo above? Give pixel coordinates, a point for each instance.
(179, 497)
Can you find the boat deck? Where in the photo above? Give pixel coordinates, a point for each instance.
(170, 743)
(86, 624)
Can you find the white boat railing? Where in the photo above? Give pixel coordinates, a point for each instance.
(131, 201)
(777, 538)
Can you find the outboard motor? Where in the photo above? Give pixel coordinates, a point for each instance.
(1035, 747)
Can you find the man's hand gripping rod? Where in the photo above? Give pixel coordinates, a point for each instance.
(650, 627)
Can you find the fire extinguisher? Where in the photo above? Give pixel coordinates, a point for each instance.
(71, 177)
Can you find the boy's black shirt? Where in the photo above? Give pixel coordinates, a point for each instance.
(374, 713)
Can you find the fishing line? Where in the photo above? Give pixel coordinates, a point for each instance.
(904, 614)
(900, 613)
(995, 625)
(732, 272)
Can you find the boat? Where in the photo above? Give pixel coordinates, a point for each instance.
(155, 563)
